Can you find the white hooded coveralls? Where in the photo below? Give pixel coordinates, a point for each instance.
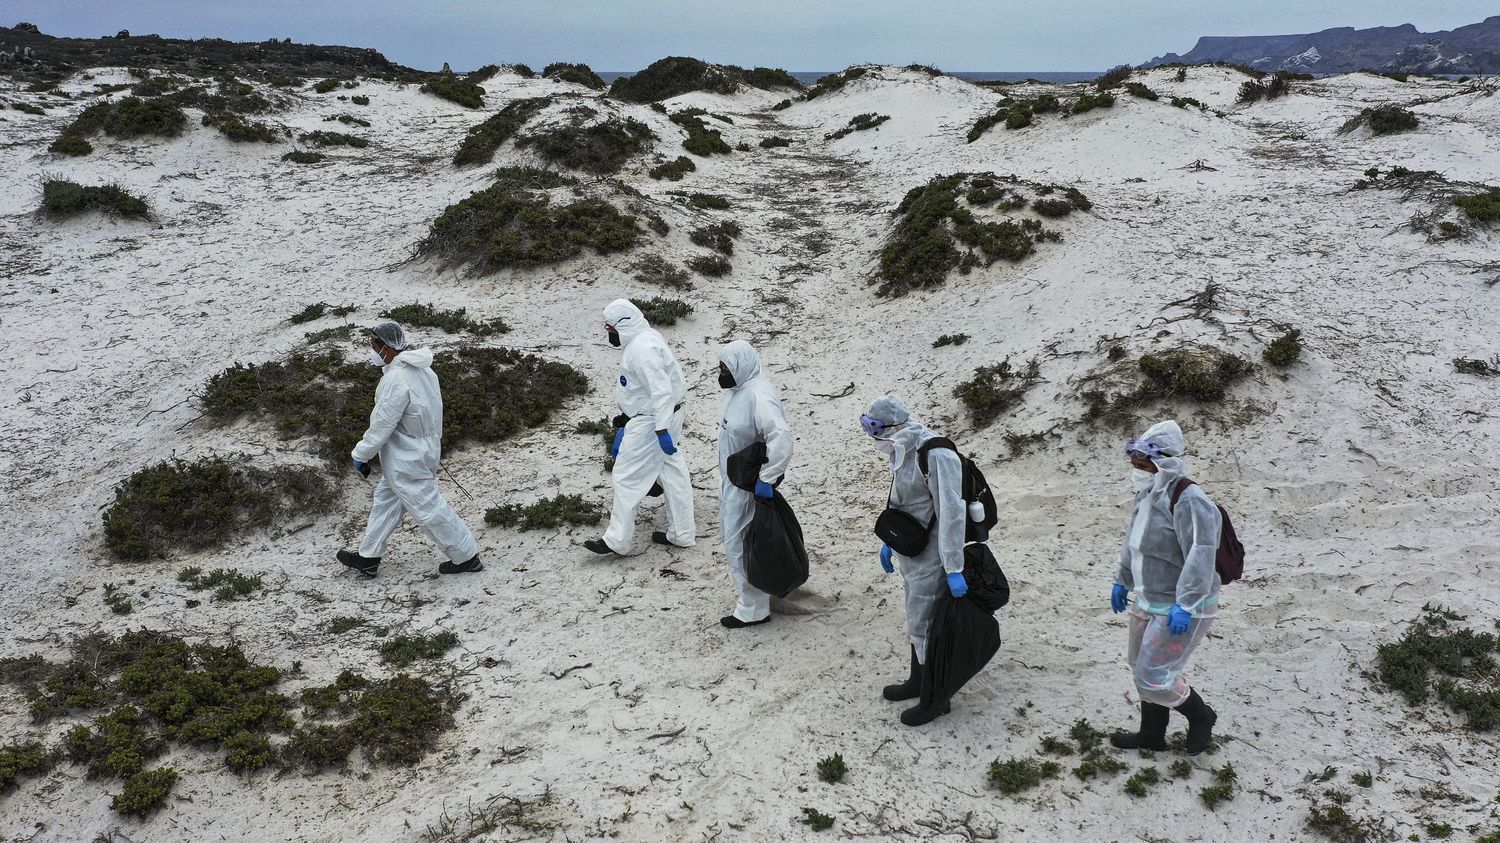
(650, 390)
(752, 413)
(406, 430)
(938, 492)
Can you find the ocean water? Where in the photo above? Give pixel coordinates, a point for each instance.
(808, 77)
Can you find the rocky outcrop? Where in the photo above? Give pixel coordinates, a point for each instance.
(1472, 49)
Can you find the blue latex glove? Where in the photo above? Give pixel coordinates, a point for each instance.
(1118, 598)
(764, 490)
(614, 448)
(1178, 620)
(665, 440)
(957, 585)
(885, 559)
(362, 467)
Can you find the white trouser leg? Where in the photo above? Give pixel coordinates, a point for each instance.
(1158, 658)
(424, 503)
(925, 583)
(735, 511)
(638, 465)
(678, 484)
(385, 516)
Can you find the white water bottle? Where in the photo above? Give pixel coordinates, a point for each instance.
(976, 511)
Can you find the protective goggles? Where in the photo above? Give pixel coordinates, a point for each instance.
(873, 427)
(1144, 449)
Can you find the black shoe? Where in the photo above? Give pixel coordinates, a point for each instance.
(473, 566)
(1201, 720)
(1153, 733)
(911, 688)
(732, 622)
(929, 707)
(364, 565)
(660, 538)
(598, 546)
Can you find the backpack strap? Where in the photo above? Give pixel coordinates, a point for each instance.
(1177, 491)
(935, 442)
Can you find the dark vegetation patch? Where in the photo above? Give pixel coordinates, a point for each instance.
(229, 96)
(1474, 366)
(816, 820)
(859, 123)
(145, 791)
(1020, 112)
(1284, 350)
(227, 585)
(664, 312)
(1016, 775)
(317, 311)
(719, 236)
(480, 144)
(700, 140)
(834, 82)
(359, 99)
(1114, 77)
(1185, 102)
(995, 389)
(774, 141)
(347, 120)
(832, 769)
(197, 505)
(483, 74)
(1089, 102)
(1464, 661)
(406, 650)
(1202, 374)
(238, 129)
(394, 721)
(950, 339)
(1276, 86)
(657, 270)
(1140, 91)
(28, 108)
(578, 74)
(303, 156)
(71, 145)
(508, 225)
(708, 201)
(449, 321)
(600, 148)
(673, 170)
(489, 394)
(130, 117)
(935, 234)
(523, 70)
(710, 265)
(1222, 790)
(66, 199)
(1481, 208)
(677, 75)
(117, 600)
(323, 138)
(325, 86)
(456, 90)
(549, 513)
(1382, 120)
(23, 759)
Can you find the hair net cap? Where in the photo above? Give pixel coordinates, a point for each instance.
(1167, 436)
(391, 334)
(890, 409)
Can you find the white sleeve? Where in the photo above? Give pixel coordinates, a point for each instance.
(659, 385)
(945, 474)
(1197, 522)
(391, 397)
(771, 426)
(1123, 573)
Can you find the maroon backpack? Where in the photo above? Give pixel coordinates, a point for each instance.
(1229, 560)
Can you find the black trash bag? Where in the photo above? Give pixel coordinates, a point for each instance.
(744, 466)
(988, 587)
(775, 557)
(961, 641)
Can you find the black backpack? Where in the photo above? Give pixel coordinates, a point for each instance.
(1229, 559)
(976, 490)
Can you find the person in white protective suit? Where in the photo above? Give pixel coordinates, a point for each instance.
(406, 431)
(650, 392)
(752, 413)
(1167, 559)
(934, 499)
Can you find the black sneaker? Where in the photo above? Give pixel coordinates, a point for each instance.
(598, 546)
(473, 566)
(660, 537)
(364, 565)
(732, 622)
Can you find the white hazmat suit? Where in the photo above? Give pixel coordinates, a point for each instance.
(939, 493)
(406, 431)
(650, 391)
(752, 413)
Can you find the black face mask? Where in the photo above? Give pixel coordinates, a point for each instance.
(614, 338)
(726, 380)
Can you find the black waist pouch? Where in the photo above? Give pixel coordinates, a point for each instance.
(905, 534)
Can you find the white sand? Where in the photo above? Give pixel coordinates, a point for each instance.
(1361, 481)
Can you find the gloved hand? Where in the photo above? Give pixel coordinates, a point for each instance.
(957, 585)
(885, 559)
(1118, 598)
(614, 448)
(363, 468)
(764, 490)
(1178, 620)
(664, 438)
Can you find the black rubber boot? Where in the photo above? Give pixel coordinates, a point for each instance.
(920, 714)
(1200, 720)
(366, 566)
(732, 622)
(473, 566)
(1153, 733)
(911, 688)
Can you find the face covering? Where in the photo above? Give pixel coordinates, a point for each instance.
(376, 359)
(614, 338)
(1141, 480)
(726, 380)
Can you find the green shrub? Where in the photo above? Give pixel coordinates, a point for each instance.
(22, 759)
(1140, 91)
(549, 513)
(130, 117)
(657, 270)
(483, 74)
(1334, 822)
(1382, 120)
(404, 650)
(1284, 350)
(1184, 102)
(202, 504)
(503, 226)
(358, 99)
(673, 170)
(995, 390)
(782, 106)
(348, 120)
(718, 236)
(1019, 774)
(145, 792)
(1114, 77)
(455, 90)
(1181, 769)
(117, 600)
(1140, 783)
(395, 721)
(832, 769)
(247, 752)
(1462, 658)
(708, 201)
(578, 74)
(1277, 85)
(1056, 746)
(1088, 737)
(227, 585)
(701, 140)
(834, 82)
(489, 394)
(66, 198)
(326, 86)
(240, 130)
(1475, 366)
(1482, 208)
(1089, 102)
(601, 148)
(950, 339)
(480, 144)
(71, 145)
(1223, 788)
(322, 138)
(28, 108)
(816, 820)
(1200, 374)
(774, 141)
(300, 156)
(449, 321)
(317, 311)
(677, 75)
(859, 123)
(664, 312)
(710, 266)
(1050, 205)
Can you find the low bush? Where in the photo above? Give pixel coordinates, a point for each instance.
(994, 390)
(302, 156)
(664, 312)
(22, 759)
(240, 130)
(130, 117)
(718, 236)
(326, 86)
(578, 74)
(1463, 659)
(708, 201)
(348, 120)
(455, 90)
(657, 270)
(483, 74)
(774, 141)
(1284, 350)
(481, 142)
(202, 504)
(710, 266)
(359, 99)
(831, 770)
(317, 311)
(834, 82)
(523, 70)
(677, 75)
(1089, 102)
(449, 321)
(1223, 788)
(28, 108)
(145, 792)
(1475, 366)
(549, 513)
(504, 226)
(405, 650)
(1020, 774)
(859, 123)
(66, 199)
(1184, 102)
(395, 721)
(1140, 91)
(950, 339)
(1276, 85)
(1482, 208)
(1140, 783)
(227, 585)
(1382, 120)
(816, 820)
(117, 600)
(673, 170)
(700, 140)
(1202, 374)
(600, 148)
(1114, 77)
(321, 138)
(71, 145)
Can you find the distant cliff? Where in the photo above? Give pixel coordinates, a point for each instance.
(1472, 49)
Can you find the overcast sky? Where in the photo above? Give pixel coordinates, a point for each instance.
(1015, 35)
